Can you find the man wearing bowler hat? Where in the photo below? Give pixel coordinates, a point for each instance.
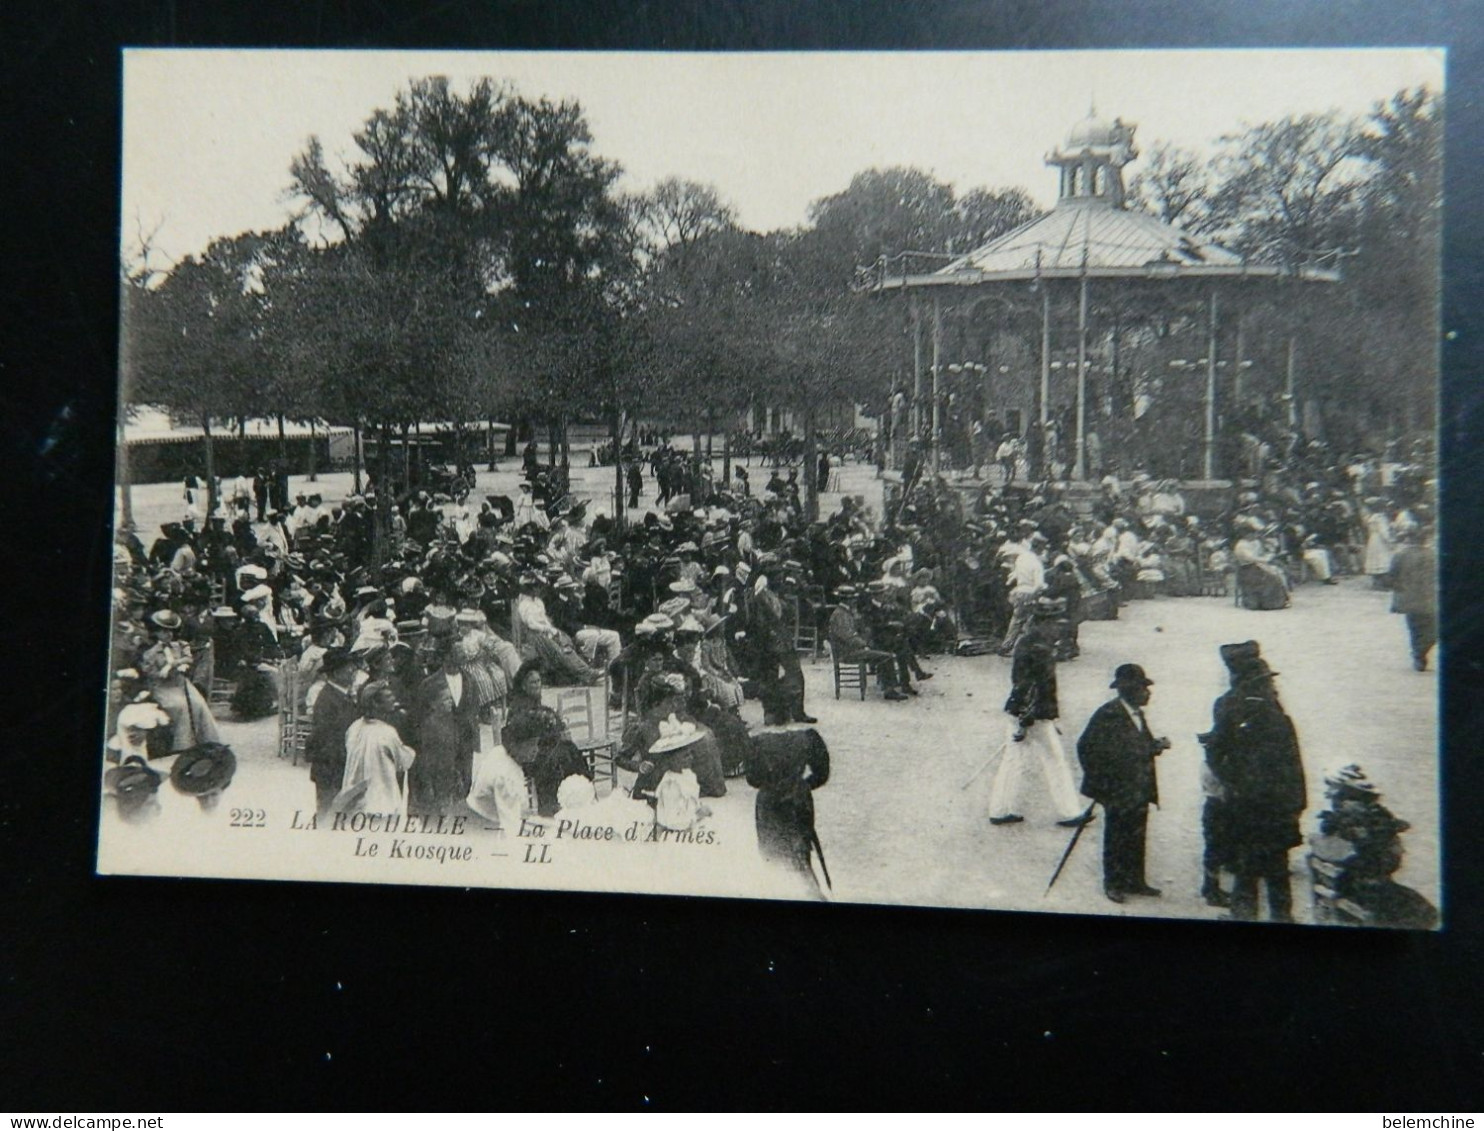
(1117, 751)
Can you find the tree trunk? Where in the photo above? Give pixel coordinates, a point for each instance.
(381, 519)
(210, 466)
(553, 442)
(406, 457)
(126, 488)
(726, 459)
(312, 476)
(566, 440)
(710, 427)
(283, 444)
(811, 467)
(355, 456)
(618, 483)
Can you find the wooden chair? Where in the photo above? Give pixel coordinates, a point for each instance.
(851, 675)
(293, 719)
(584, 710)
(807, 637)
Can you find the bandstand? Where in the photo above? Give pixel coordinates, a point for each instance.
(1122, 277)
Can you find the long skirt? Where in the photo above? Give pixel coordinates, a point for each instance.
(1262, 586)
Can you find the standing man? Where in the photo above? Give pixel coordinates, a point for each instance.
(333, 712)
(1252, 751)
(1033, 712)
(1026, 583)
(636, 484)
(1117, 752)
(780, 676)
(1414, 592)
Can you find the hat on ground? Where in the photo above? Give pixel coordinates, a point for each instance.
(203, 769)
(675, 734)
(1130, 675)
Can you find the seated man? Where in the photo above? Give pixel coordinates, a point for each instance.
(543, 641)
(850, 645)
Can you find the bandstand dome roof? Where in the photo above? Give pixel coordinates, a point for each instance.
(1091, 233)
(1091, 131)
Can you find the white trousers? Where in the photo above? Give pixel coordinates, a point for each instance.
(1041, 746)
(1317, 560)
(590, 641)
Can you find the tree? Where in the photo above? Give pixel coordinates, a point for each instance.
(677, 213)
(195, 342)
(1287, 189)
(1176, 186)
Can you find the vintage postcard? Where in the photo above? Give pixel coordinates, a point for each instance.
(986, 480)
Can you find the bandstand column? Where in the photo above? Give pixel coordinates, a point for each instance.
(1289, 393)
(1079, 463)
(1240, 350)
(1210, 460)
(916, 369)
(937, 359)
(1045, 349)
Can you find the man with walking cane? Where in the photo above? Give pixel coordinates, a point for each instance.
(1034, 738)
(1117, 752)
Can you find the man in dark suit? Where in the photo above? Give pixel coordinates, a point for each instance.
(447, 728)
(334, 711)
(780, 676)
(1414, 572)
(1117, 752)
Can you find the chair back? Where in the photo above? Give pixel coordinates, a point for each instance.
(584, 710)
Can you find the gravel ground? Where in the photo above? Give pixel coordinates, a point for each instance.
(900, 825)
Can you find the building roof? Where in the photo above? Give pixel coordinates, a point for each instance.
(155, 426)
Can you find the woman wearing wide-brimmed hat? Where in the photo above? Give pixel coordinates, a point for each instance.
(165, 665)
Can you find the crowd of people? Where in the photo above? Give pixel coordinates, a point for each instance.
(409, 629)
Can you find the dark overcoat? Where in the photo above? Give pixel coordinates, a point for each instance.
(1253, 752)
(1032, 679)
(334, 711)
(447, 734)
(1117, 759)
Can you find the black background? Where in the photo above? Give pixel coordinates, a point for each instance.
(157, 994)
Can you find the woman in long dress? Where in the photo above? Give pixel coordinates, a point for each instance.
(1379, 543)
(1263, 585)
(537, 738)
(165, 666)
(376, 758)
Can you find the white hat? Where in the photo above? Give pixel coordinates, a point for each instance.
(257, 593)
(575, 792)
(675, 734)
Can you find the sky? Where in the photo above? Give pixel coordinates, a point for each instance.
(208, 135)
